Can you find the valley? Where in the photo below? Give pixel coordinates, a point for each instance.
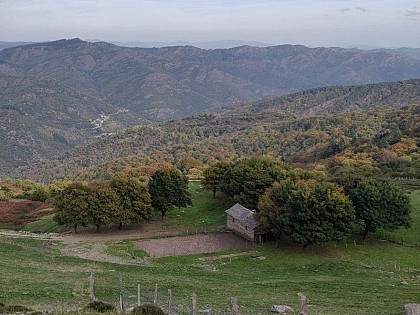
(119, 163)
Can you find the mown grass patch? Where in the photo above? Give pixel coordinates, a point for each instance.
(204, 212)
(45, 224)
(125, 249)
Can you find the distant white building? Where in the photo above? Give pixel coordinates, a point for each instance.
(242, 221)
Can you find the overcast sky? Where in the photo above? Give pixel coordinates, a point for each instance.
(379, 23)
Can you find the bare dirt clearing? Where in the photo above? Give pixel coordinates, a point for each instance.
(194, 244)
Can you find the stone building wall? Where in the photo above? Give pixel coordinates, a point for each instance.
(240, 228)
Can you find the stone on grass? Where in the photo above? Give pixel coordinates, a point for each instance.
(281, 309)
(412, 309)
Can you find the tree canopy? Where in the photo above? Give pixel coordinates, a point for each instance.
(71, 205)
(380, 204)
(134, 198)
(307, 210)
(168, 187)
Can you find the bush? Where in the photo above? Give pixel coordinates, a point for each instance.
(147, 309)
(100, 307)
(1, 308)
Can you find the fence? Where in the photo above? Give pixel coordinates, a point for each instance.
(175, 303)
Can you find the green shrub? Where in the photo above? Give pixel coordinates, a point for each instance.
(100, 307)
(15, 309)
(147, 309)
(1, 307)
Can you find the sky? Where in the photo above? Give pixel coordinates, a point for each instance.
(344, 23)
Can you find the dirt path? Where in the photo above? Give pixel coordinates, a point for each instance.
(194, 244)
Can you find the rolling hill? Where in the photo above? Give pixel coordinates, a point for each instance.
(371, 136)
(59, 95)
(40, 117)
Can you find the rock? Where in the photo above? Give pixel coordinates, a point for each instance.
(281, 309)
(404, 283)
(412, 309)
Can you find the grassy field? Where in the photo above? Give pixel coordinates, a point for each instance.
(203, 202)
(45, 224)
(355, 278)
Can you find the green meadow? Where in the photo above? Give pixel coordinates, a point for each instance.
(353, 277)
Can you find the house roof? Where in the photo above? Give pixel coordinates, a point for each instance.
(242, 214)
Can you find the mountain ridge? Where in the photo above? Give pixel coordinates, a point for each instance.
(175, 82)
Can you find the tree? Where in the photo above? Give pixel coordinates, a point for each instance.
(134, 198)
(248, 178)
(169, 187)
(256, 182)
(380, 204)
(310, 212)
(213, 176)
(104, 206)
(187, 163)
(71, 205)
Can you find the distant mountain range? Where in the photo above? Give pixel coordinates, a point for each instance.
(61, 94)
(305, 127)
(4, 45)
(220, 44)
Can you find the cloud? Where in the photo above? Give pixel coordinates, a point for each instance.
(413, 12)
(345, 10)
(361, 9)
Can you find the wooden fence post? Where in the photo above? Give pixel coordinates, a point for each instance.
(170, 302)
(194, 304)
(122, 308)
(303, 304)
(235, 307)
(155, 297)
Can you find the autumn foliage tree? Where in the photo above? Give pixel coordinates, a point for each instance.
(120, 201)
(134, 198)
(71, 205)
(104, 206)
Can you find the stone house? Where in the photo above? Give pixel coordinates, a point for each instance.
(241, 220)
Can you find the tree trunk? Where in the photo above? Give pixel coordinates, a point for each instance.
(365, 232)
(97, 228)
(120, 226)
(75, 228)
(163, 213)
(214, 193)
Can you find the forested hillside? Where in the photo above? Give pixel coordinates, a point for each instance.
(173, 82)
(337, 99)
(59, 95)
(386, 139)
(40, 118)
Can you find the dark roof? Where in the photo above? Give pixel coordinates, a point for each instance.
(242, 214)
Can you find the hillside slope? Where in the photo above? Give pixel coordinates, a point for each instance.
(373, 137)
(173, 82)
(337, 99)
(40, 118)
